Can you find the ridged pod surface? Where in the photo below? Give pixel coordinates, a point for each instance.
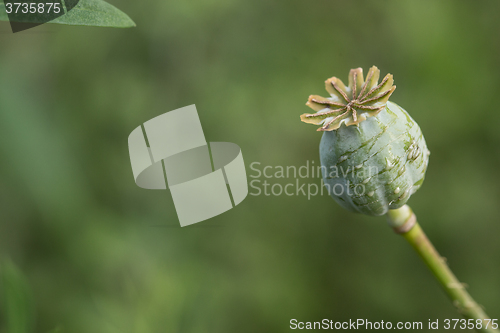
(378, 163)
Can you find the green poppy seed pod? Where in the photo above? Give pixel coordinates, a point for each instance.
(373, 154)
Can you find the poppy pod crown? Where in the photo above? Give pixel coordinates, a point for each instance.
(350, 104)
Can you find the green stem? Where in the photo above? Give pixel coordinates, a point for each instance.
(404, 222)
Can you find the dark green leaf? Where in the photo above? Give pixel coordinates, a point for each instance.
(88, 13)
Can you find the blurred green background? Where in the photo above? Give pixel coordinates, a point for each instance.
(96, 253)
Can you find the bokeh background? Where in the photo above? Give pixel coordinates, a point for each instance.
(86, 250)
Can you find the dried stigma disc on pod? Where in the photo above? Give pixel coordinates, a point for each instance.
(373, 154)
